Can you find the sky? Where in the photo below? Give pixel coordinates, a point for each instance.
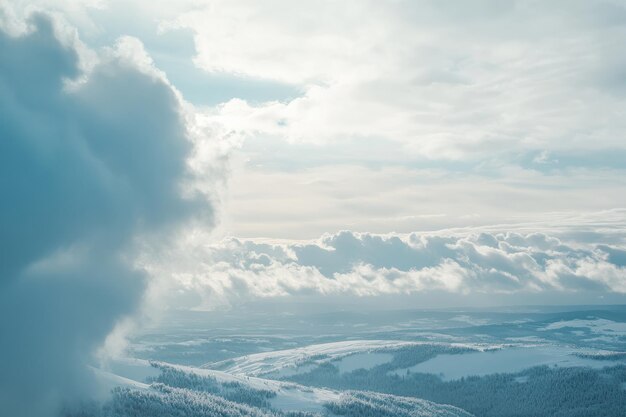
(202, 154)
(392, 116)
(393, 119)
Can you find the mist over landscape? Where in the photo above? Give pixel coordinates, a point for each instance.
(312, 209)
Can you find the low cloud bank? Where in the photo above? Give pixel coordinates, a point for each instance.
(368, 265)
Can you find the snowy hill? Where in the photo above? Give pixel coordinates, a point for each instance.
(346, 356)
(290, 361)
(195, 392)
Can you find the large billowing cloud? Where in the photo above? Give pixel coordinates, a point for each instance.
(523, 267)
(95, 156)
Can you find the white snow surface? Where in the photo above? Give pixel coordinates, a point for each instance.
(289, 396)
(510, 360)
(286, 362)
(106, 381)
(130, 368)
(294, 397)
(600, 326)
(367, 360)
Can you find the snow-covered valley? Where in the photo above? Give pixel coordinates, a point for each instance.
(487, 364)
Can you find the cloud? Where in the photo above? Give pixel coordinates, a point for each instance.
(394, 106)
(348, 264)
(445, 82)
(95, 157)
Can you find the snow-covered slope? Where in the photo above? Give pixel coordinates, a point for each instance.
(594, 325)
(106, 381)
(359, 403)
(198, 389)
(288, 396)
(284, 361)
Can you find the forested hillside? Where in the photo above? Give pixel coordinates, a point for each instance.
(536, 392)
